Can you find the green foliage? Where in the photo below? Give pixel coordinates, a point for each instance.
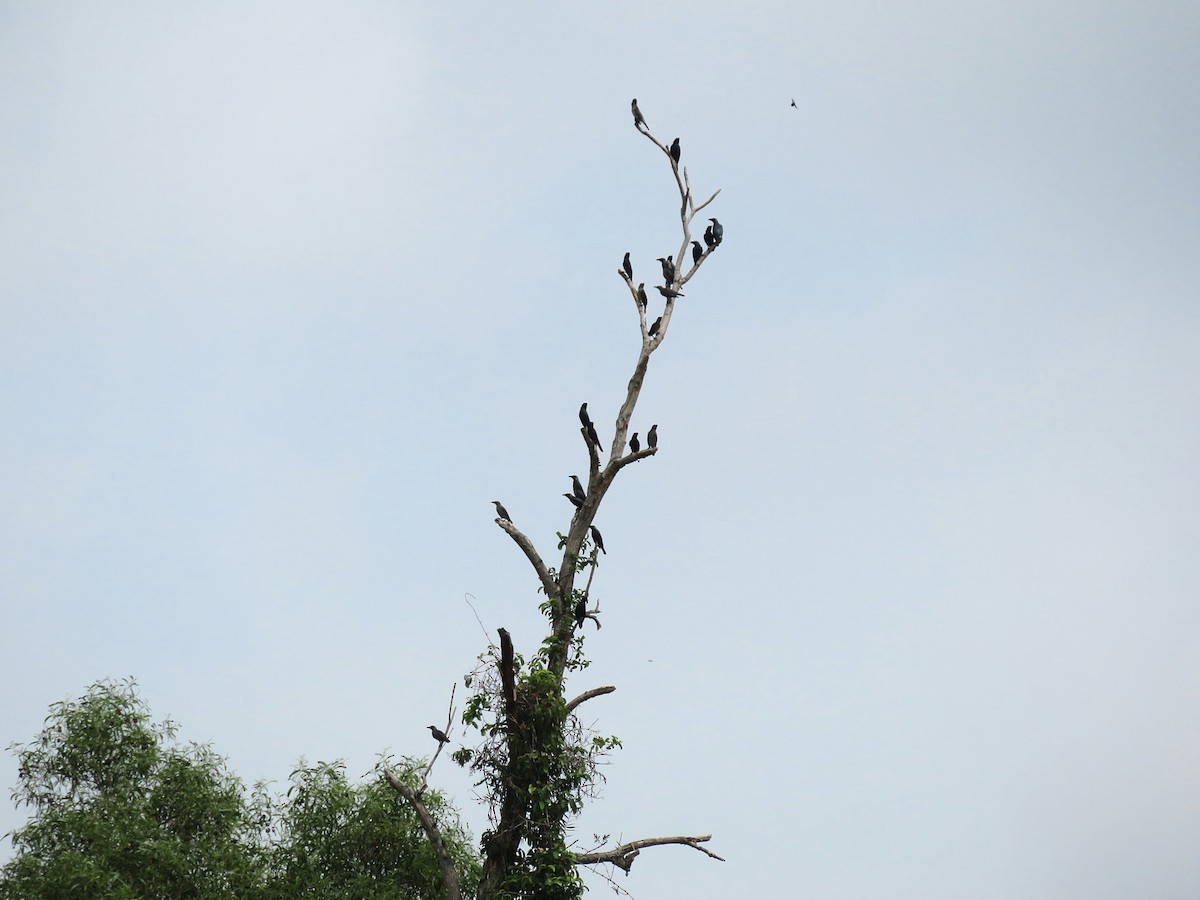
(121, 810)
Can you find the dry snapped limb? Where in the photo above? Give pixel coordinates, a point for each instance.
(588, 695)
(531, 554)
(624, 855)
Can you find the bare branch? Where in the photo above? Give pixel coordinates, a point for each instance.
(440, 850)
(531, 554)
(588, 695)
(624, 855)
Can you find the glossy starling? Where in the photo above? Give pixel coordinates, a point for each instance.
(652, 436)
(634, 444)
(668, 265)
(592, 436)
(654, 328)
(628, 267)
(575, 501)
(675, 150)
(708, 237)
(577, 488)
(598, 539)
(580, 612)
(638, 121)
(501, 511)
(718, 231)
(642, 295)
(438, 734)
(697, 252)
(667, 292)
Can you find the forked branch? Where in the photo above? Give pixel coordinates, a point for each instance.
(624, 855)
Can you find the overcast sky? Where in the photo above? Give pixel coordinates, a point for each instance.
(908, 603)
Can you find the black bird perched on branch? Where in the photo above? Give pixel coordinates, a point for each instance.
(667, 292)
(654, 328)
(592, 436)
(638, 121)
(668, 264)
(580, 612)
(675, 150)
(634, 444)
(577, 488)
(697, 252)
(642, 295)
(652, 436)
(501, 511)
(584, 419)
(438, 734)
(708, 237)
(575, 501)
(628, 267)
(599, 540)
(718, 232)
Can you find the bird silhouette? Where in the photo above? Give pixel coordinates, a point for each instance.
(708, 237)
(667, 292)
(598, 539)
(634, 444)
(668, 266)
(577, 488)
(652, 436)
(794, 106)
(584, 418)
(438, 734)
(592, 436)
(628, 267)
(654, 328)
(638, 121)
(580, 612)
(642, 295)
(575, 501)
(501, 511)
(697, 252)
(718, 231)
(675, 150)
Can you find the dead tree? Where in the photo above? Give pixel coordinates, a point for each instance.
(536, 763)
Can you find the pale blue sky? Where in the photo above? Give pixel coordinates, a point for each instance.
(908, 604)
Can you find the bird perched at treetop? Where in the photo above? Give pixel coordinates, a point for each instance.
(575, 501)
(708, 237)
(697, 252)
(675, 150)
(634, 444)
(628, 267)
(501, 511)
(584, 419)
(667, 292)
(668, 264)
(577, 488)
(638, 121)
(718, 232)
(652, 436)
(592, 436)
(642, 295)
(654, 328)
(598, 539)
(438, 734)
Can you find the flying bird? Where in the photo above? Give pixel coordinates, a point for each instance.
(592, 436)
(642, 295)
(502, 512)
(438, 734)
(652, 436)
(668, 264)
(794, 106)
(577, 488)
(598, 539)
(654, 328)
(584, 418)
(580, 612)
(638, 121)
(718, 231)
(675, 150)
(575, 501)
(634, 444)
(667, 292)
(628, 267)
(697, 252)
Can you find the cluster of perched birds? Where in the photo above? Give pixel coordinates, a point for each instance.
(713, 235)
